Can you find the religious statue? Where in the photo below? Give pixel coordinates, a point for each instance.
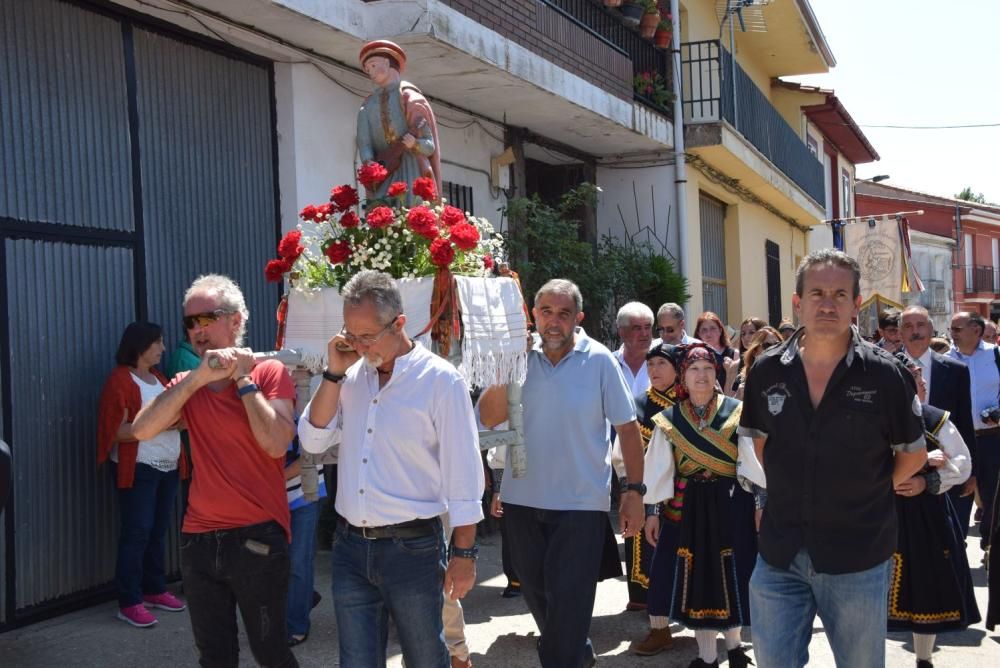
(396, 125)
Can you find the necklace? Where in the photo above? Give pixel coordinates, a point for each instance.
(702, 413)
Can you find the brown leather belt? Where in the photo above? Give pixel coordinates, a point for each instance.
(411, 529)
(991, 431)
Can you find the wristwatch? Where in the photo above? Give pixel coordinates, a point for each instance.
(333, 377)
(636, 487)
(465, 552)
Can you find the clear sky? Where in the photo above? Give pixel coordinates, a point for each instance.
(920, 62)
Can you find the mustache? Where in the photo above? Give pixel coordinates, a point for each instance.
(917, 337)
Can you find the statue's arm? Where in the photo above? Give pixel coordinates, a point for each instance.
(364, 138)
(425, 140)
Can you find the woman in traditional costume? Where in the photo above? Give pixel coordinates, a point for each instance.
(930, 590)
(695, 446)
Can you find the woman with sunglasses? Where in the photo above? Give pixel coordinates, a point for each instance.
(146, 474)
(695, 445)
(763, 340)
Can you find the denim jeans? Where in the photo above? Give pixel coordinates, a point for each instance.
(852, 606)
(557, 554)
(301, 555)
(144, 509)
(373, 579)
(245, 567)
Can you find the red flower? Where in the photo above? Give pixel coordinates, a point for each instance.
(488, 261)
(338, 251)
(442, 252)
(396, 189)
(309, 213)
(380, 216)
(371, 174)
(289, 247)
(464, 236)
(350, 219)
(452, 216)
(423, 221)
(276, 269)
(344, 197)
(425, 188)
(323, 211)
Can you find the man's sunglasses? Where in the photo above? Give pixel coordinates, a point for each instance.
(204, 319)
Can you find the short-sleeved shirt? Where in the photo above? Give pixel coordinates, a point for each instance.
(567, 411)
(829, 469)
(234, 483)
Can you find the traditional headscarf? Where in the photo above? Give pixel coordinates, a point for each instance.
(686, 356)
(667, 351)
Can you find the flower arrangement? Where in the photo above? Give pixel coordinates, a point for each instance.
(653, 87)
(334, 241)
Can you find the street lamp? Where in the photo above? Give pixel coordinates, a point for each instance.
(873, 179)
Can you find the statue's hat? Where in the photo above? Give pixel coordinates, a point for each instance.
(383, 47)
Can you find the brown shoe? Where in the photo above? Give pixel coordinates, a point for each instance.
(657, 641)
(460, 663)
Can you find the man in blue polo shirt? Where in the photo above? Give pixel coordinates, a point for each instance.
(557, 513)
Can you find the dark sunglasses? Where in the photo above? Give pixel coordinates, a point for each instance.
(204, 319)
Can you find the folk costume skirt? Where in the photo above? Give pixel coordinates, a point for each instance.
(716, 552)
(930, 587)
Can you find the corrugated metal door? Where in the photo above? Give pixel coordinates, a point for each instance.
(132, 161)
(772, 258)
(712, 213)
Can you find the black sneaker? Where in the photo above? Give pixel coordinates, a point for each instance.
(699, 663)
(738, 657)
(923, 663)
(511, 591)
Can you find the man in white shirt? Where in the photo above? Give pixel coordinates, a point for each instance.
(984, 368)
(635, 329)
(409, 452)
(670, 326)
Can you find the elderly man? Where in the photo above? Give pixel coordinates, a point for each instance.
(557, 513)
(836, 424)
(983, 361)
(635, 329)
(890, 339)
(234, 542)
(948, 387)
(409, 453)
(670, 326)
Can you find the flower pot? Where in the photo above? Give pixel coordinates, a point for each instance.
(631, 14)
(648, 23)
(662, 39)
(612, 3)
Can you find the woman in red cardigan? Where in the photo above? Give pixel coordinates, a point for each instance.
(146, 473)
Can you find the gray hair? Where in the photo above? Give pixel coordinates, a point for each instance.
(916, 308)
(671, 309)
(633, 311)
(830, 256)
(377, 288)
(229, 294)
(561, 286)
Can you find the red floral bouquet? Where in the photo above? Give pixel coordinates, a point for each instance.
(334, 241)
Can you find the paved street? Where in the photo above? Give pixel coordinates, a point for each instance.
(500, 631)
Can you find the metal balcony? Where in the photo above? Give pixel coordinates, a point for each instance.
(708, 75)
(980, 279)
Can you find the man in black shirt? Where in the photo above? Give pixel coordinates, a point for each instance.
(836, 424)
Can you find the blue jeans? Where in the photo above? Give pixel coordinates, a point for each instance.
(557, 554)
(373, 579)
(301, 554)
(144, 509)
(853, 607)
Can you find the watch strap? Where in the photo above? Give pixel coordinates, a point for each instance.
(465, 552)
(333, 377)
(248, 389)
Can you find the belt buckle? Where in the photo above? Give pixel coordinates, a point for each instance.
(364, 534)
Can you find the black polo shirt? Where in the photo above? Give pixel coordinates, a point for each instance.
(829, 469)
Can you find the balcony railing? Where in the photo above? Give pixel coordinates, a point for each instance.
(708, 76)
(607, 26)
(980, 279)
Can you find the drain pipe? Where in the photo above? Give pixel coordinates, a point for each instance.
(680, 166)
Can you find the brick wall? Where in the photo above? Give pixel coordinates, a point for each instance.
(544, 31)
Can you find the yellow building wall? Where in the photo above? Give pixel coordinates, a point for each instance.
(789, 104)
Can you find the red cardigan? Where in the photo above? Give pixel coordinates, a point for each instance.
(120, 402)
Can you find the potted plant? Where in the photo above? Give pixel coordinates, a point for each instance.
(612, 3)
(632, 11)
(653, 87)
(664, 33)
(649, 20)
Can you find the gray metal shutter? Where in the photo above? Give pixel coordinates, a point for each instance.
(712, 213)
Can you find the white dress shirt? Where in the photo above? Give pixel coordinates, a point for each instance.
(638, 382)
(409, 450)
(924, 362)
(985, 380)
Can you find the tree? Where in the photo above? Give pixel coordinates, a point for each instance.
(969, 196)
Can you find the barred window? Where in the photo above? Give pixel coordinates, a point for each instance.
(459, 196)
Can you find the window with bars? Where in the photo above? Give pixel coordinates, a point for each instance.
(458, 196)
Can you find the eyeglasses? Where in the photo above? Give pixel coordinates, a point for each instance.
(367, 340)
(204, 319)
(957, 329)
(665, 330)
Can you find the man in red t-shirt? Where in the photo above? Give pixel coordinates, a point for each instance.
(234, 543)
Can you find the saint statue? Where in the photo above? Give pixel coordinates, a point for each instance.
(396, 125)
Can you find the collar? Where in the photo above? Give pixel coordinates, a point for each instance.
(979, 348)
(400, 363)
(790, 348)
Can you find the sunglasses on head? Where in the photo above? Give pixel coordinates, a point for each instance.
(204, 319)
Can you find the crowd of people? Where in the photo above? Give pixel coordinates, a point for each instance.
(760, 481)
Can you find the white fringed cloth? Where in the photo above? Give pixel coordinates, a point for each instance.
(494, 331)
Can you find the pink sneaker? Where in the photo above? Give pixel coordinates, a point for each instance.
(136, 615)
(164, 601)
